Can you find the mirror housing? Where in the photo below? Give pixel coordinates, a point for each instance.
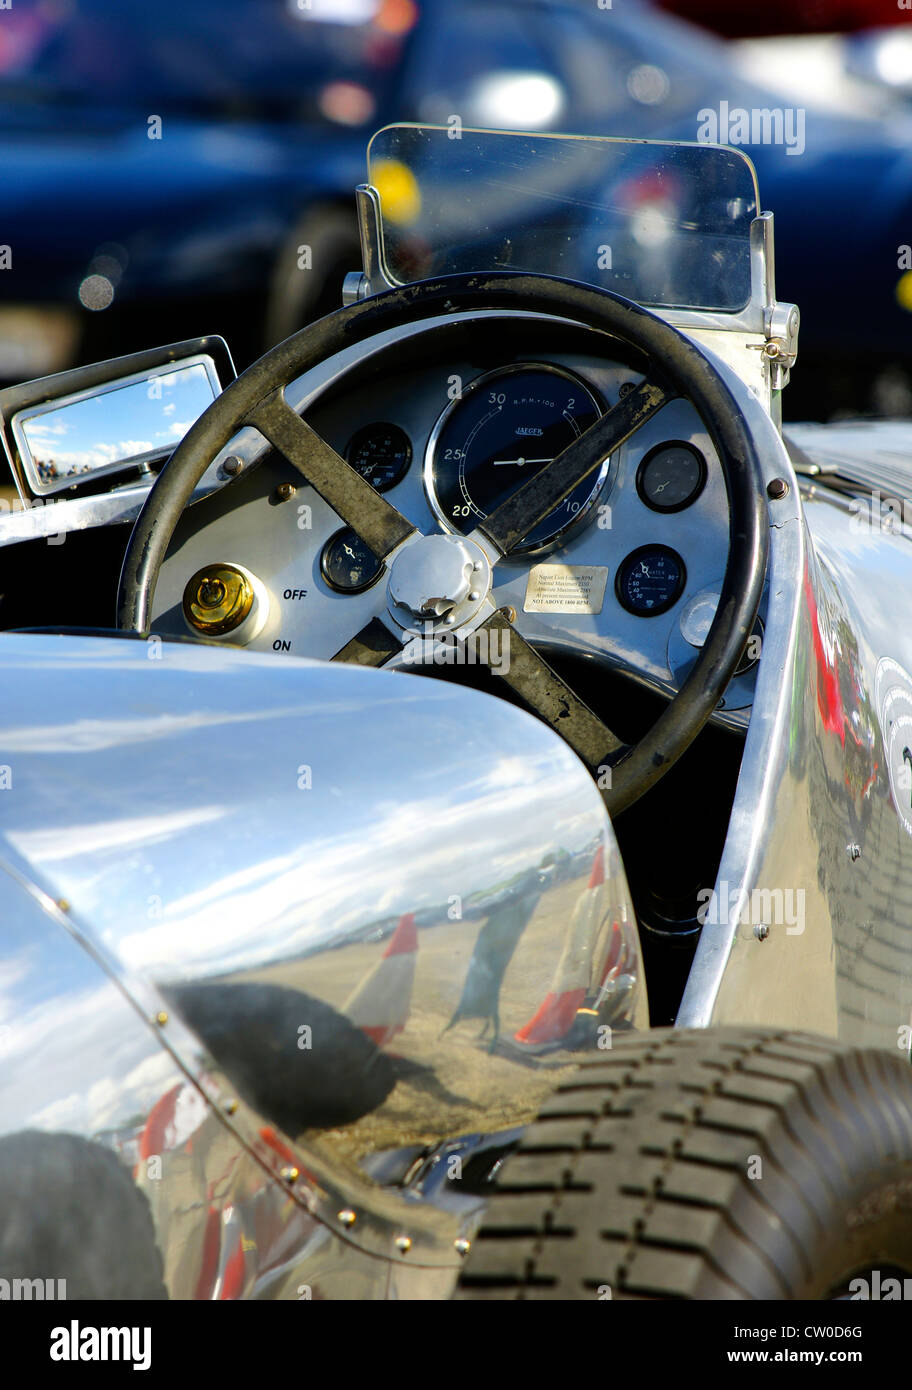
(91, 428)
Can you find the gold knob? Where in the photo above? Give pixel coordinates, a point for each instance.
(217, 599)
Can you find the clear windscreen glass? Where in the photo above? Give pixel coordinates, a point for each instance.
(664, 224)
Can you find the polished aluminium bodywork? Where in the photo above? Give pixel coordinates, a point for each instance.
(181, 826)
(348, 837)
(823, 804)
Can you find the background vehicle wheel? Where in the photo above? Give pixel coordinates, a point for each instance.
(299, 296)
(70, 1210)
(727, 1163)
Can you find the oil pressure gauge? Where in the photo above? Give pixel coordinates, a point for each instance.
(671, 476)
(381, 454)
(650, 580)
(348, 564)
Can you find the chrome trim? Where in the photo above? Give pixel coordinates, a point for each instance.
(41, 518)
(479, 383)
(751, 824)
(373, 253)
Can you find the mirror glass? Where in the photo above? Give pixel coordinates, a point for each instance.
(132, 422)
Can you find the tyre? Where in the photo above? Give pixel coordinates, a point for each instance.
(725, 1163)
(296, 296)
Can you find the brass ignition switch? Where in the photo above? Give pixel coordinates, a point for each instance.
(222, 599)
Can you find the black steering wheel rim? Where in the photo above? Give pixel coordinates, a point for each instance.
(678, 359)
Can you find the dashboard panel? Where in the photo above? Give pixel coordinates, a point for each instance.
(627, 573)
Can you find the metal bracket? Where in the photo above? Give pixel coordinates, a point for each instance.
(781, 346)
(375, 277)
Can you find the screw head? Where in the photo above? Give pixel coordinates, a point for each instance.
(777, 488)
(761, 931)
(473, 595)
(63, 904)
(508, 613)
(403, 1244)
(290, 1174)
(285, 491)
(347, 1217)
(161, 1018)
(232, 466)
(853, 851)
(462, 1245)
(231, 1107)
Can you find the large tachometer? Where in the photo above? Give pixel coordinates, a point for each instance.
(507, 426)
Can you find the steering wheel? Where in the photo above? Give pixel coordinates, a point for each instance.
(441, 584)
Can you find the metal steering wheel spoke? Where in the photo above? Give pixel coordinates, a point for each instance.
(539, 687)
(374, 645)
(509, 524)
(360, 506)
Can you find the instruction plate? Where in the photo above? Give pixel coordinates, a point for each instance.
(566, 589)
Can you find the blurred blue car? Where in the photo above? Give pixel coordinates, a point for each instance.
(158, 160)
(188, 167)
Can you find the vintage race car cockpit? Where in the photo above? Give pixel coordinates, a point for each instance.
(589, 492)
(323, 938)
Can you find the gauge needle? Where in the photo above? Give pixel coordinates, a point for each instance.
(644, 569)
(662, 487)
(348, 550)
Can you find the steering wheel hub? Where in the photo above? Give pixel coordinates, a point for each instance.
(438, 580)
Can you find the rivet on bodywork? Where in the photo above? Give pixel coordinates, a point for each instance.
(63, 904)
(231, 1107)
(853, 851)
(777, 488)
(232, 466)
(161, 1018)
(404, 1244)
(347, 1217)
(761, 931)
(290, 1174)
(462, 1245)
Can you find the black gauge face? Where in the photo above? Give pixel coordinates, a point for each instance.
(650, 580)
(671, 477)
(347, 564)
(381, 454)
(507, 427)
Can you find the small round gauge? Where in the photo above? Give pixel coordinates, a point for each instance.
(650, 580)
(348, 564)
(507, 427)
(671, 476)
(381, 454)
